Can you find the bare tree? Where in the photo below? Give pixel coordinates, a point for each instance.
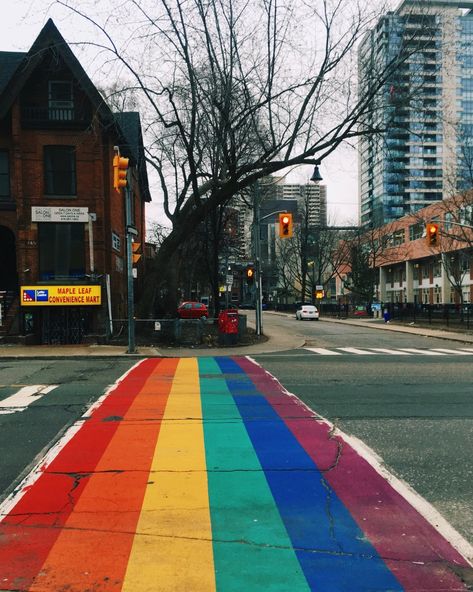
(360, 254)
(231, 94)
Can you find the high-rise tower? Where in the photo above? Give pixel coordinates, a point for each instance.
(426, 106)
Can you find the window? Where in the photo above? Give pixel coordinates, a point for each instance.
(416, 231)
(61, 251)
(60, 170)
(4, 175)
(61, 104)
(116, 242)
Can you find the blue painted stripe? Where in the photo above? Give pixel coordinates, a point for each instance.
(333, 551)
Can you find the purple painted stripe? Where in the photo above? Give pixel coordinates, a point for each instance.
(399, 533)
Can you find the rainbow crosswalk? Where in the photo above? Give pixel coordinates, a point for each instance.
(205, 474)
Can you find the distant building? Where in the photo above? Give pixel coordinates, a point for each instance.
(426, 154)
(277, 196)
(63, 264)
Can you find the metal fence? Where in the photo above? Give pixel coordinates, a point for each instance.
(189, 332)
(447, 315)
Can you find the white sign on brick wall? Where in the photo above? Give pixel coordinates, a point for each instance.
(59, 214)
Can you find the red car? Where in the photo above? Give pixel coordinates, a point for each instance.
(192, 310)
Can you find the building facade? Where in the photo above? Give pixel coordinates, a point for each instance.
(426, 106)
(412, 271)
(308, 205)
(63, 226)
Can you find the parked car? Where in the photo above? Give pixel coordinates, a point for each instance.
(192, 310)
(307, 311)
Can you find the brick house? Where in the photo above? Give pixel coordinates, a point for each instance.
(413, 271)
(63, 261)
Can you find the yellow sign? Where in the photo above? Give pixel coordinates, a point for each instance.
(60, 295)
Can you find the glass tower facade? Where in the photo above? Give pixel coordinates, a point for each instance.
(424, 151)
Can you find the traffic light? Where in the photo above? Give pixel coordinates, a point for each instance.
(120, 167)
(432, 234)
(135, 247)
(285, 225)
(250, 275)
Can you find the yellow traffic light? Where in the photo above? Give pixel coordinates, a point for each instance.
(250, 275)
(120, 168)
(285, 225)
(432, 234)
(135, 247)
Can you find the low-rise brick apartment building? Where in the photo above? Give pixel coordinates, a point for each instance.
(63, 262)
(413, 271)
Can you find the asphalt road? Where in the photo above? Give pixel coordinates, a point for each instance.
(27, 433)
(413, 408)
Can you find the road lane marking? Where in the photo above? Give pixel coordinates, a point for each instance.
(423, 352)
(391, 352)
(322, 351)
(456, 352)
(355, 350)
(21, 400)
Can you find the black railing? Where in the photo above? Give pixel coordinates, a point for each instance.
(446, 315)
(36, 116)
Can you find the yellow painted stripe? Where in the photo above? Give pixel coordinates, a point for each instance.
(172, 549)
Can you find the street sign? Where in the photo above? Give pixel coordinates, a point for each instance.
(59, 214)
(229, 280)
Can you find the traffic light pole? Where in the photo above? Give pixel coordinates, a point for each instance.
(129, 266)
(257, 241)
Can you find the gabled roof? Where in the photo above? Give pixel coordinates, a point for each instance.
(9, 62)
(130, 124)
(50, 38)
(16, 68)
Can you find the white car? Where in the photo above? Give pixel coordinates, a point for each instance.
(307, 311)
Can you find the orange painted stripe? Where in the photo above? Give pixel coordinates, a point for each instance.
(32, 526)
(93, 548)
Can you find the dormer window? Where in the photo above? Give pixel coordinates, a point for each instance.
(61, 104)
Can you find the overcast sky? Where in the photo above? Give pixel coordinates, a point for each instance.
(24, 19)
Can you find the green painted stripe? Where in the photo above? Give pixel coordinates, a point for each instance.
(250, 542)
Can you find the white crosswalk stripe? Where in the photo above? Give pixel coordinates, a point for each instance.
(390, 352)
(456, 352)
(20, 400)
(356, 350)
(404, 351)
(422, 352)
(322, 351)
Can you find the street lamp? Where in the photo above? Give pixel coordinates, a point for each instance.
(316, 176)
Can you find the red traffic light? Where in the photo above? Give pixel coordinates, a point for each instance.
(285, 225)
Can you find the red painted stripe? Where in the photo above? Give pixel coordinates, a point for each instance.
(33, 525)
(106, 514)
(397, 531)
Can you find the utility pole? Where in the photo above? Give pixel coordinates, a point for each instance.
(129, 260)
(257, 243)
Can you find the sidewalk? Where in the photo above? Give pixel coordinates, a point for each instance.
(278, 339)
